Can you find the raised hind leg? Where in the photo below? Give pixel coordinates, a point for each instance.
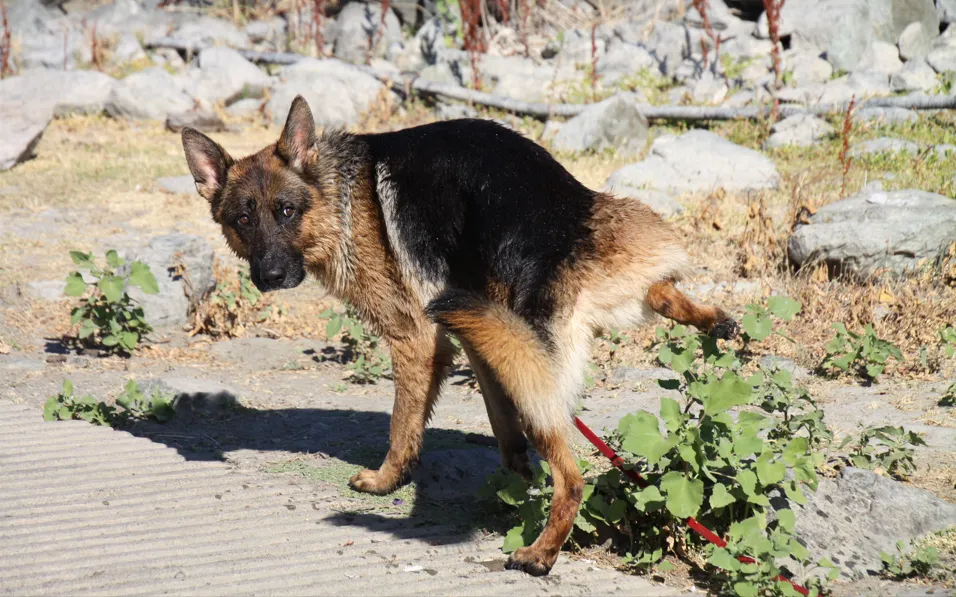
(666, 300)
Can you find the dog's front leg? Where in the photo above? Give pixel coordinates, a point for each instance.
(420, 366)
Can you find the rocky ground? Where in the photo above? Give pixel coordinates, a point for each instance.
(765, 209)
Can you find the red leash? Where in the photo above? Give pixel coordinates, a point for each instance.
(700, 529)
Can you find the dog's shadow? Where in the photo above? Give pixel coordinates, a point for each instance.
(454, 465)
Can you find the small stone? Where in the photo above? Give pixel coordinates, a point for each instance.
(885, 115)
(883, 145)
(201, 119)
(942, 59)
(915, 42)
(916, 75)
(615, 123)
(800, 130)
(880, 57)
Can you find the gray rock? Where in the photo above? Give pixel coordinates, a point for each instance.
(868, 232)
(660, 202)
(46, 290)
(168, 57)
(177, 185)
(709, 89)
(859, 85)
(943, 151)
(698, 160)
(616, 123)
(670, 43)
(883, 145)
(807, 68)
(151, 94)
(915, 41)
(801, 130)
(337, 92)
(201, 119)
(357, 28)
(73, 92)
(805, 94)
(577, 46)
(916, 75)
(623, 59)
(271, 31)
(423, 49)
(854, 517)
(22, 126)
(439, 73)
(130, 17)
(170, 307)
(885, 115)
(452, 111)
(63, 49)
(880, 57)
(225, 76)
(622, 375)
(946, 9)
(513, 76)
(127, 50)
(245, 108)
(210, 31)
(942, 59)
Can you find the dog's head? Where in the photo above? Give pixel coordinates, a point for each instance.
(269, 210)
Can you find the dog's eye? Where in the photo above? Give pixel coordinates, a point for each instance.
(288, 211)
(243, 220)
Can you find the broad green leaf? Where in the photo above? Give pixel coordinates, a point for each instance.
(745, 589)
(786, 519)
(722, 559)
(582, 523)
(86, 328)
(873, 370)
(50, 408)
(748, 481)
(786, 589)
(513, 540)
(757, 328)
(616, 511)
(797, 447)
(721, 497)
(67, 388)
(113, 259)
(332, 327)
(783, 307)
(728, 392)
(112, 287)
(798, 551)
(769, 470)
(794, 493)
(516, 491)
(665, 566)
(684, 496)
(110, 340)
(139, 275)
(82, 259)
(128, 340)
(682, 361)
(643, 437)
(75, 286)
(670, 413)
(745, 446)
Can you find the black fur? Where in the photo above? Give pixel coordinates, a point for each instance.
(479, 204)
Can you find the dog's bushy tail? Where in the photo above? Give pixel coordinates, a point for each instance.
(515, 353)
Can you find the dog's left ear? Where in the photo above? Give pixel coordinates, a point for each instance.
(207, 161)
(298, 136)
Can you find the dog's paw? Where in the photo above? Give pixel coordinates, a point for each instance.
(531, 561)
(726, 329)
(374, 481)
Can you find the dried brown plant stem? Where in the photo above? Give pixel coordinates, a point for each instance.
(701, 6)
(6, 46)
(845, 158)
(379, 31)
(474, 41)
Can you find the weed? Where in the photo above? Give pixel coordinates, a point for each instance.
(949, 396)
(594, 61)
(107, 316)
(903, 564)
(947, 340)
(865, 354)
(758, 322)
(232, 306)
(705, 464)
(6, 46)
(883, 450)
(845, 159)
(474, 41)
(157, 405)
(376, 37)
(701, 6)
(367, 361)
(65, 406)
(773, 8)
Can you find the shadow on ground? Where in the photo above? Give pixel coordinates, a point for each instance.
(453, 467)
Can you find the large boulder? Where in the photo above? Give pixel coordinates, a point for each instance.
(852, 518)
(72, 92)
(801, 130)
(616, 123)
(337, 92)
(210, 31)
(917, 75)
(874, 231)
(22, 128)
(225, 76)
(359, 26)
(163, 254)
(151, 94)
(698, 161)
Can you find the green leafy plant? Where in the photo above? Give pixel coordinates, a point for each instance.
(700, 461)
(904, 564)
(758, 322)
(157, 405)
(65, 406)
(883, 449)
(865, 354)
(947, 341)
(367, 360)
(233, 304)
(949, 396)
(530, 499)
(107, 317)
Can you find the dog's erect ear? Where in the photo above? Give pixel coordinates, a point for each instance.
(298, 136)
(207, 161)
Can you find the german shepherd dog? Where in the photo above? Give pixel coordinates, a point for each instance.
(460, 227)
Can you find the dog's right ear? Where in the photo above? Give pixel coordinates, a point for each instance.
(298, 135)
(207, 161)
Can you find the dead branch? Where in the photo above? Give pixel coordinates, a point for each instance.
(406, 85)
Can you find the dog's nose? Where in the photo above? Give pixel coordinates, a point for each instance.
(273, 276)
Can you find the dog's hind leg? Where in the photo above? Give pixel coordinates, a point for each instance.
(420, 365)
(534, 379)
(666, 300)
(503, 416)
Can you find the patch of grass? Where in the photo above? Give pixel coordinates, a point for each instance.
(336, 472)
